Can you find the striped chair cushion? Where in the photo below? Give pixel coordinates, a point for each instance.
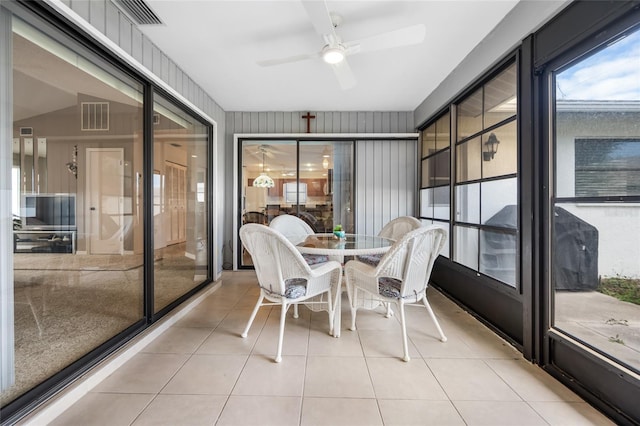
(389, 287)
(370, 259)
(314, 259)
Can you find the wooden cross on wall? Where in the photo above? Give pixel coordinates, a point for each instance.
(308, 117)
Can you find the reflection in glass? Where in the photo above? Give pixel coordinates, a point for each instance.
(434, 203)
(470, 115)
(468, 203)
(426, 177)
(500, 101)
(466, 246)
(505, 160)
(442, 225)
(429, 140)
(28, 169)
(180, 229)
(594, 262)
(426, 202)
(442, 166)
(441, 207)
(496, 195)
(77, 261)
(443, 130)
(41, 177)
(498, 254)
(469, 160)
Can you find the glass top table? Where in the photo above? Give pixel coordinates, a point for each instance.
(337, 248)
(350, 245)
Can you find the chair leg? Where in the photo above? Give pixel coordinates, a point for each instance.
(443, 338)
(253, 316)
(295, 310)
(352, 305)
(283, 317)
(331, 308)
(403, 324)
(389, 313)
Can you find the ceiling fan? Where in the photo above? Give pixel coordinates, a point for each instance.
(335, 51)
(268, 150)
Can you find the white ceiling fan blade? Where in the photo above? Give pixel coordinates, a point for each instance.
(407, 36)
(288, 59)
(344, 74)
(319, 16)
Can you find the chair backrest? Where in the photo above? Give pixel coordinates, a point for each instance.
(290, 226)
(398, 227)
(274, 257)
(411, 259)
(254, 217)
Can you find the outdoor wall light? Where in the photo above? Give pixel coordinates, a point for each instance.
(490, 147)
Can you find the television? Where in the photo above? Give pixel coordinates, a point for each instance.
(48, 211)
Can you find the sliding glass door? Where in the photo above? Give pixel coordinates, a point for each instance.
(180, 202)
(595, 210)
(76, 202)
(309, 179)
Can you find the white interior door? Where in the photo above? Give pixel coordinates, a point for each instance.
(105, 196)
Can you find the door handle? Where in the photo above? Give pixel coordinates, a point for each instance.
(92, 208)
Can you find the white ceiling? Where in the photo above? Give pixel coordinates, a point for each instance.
(218, 43)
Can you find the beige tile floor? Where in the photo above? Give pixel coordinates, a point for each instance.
(201, 372)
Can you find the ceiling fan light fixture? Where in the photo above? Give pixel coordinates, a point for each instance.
(333, 54)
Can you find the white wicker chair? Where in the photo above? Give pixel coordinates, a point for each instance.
(394, 230)
(401, 277)
(398, 227)
(293, 227)
(286, 279)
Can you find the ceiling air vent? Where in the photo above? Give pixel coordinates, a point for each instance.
(139, 11)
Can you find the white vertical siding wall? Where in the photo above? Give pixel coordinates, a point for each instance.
(386, 170)
(386, 183)
(105, 17)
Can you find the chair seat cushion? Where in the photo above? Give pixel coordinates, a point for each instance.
(295, 287)
(389, 287)
(370, 259)
(314, 259)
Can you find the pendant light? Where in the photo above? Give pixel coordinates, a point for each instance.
(263, 181)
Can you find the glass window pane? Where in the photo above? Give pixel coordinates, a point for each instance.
(468, 203)
(442, 166)
(468, 159)
(594, 262)
(470, 115)
(498, 255)
(426, 202)
(78, 235)
(500, 151)
(500, 101)
(466, 246)
(180, 230)
(429, 140)
(441, 207)
(443, 131)
(428, 170)
(499, 203)
(322, 179)
(442, 225)
(607, 167)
